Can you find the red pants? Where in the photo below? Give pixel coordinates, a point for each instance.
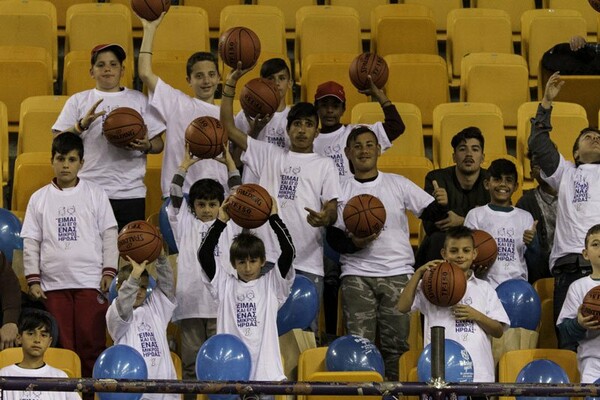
(80, 315)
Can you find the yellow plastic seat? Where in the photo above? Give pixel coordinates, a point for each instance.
(547, 329)
(289, 8)
(32, 171)
(76, 72)
(364, 8)
(183, 28)
(408, 360)
(587, 12)
(38, 115)
(440, 9)
(63, 359)
(403, 28)
(171, 67)
(136, 23)
(213, 10)
(544, 288)
(152, 181)
(514, 8)
(4, 147)
(178, 365)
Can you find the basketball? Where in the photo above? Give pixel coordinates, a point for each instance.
(368, 64)
(364, 215)
(250, 206)
(591, 303)
(140, 241)
(123, 125)
(595, 4)
(205, 137)
(444, 285)
(487, 249)
(259, 96)
(239, 44)
(150, 9)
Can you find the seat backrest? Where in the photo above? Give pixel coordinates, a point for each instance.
(420, 79)
(403, 28)
(213, 10)
(76, 73)
(582, 89)
(63, 359)
(38, 115)
(514, 8)
(440, 9)
(184, 28)
(547, 328)
(171, 67)
(4, 148)
(544, 288)
(32, 171)
(364, 8)
(583, 6)
(289, 8)
(311, 361)
(152, 181)
(408, 360)
(344, 376)
(178, 365)
(499, 78)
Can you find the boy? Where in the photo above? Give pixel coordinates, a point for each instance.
(248, 299)
(140, 321)
(178, 109)
(119, 171)
(512, 228)
(476, 317)
(35, 337)
(575, 329)
(330, 101)
(70, 251)
(190, 220)
(376, 269)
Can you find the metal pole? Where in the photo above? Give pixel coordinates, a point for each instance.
(438, 357)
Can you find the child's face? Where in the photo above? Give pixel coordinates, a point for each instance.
(66, 167)
(592, 250)
(468, 156)
(302, 134)
(107, 71)
(140, 296)
(35, 342)
(283, 82)
(363, 152)
(249, 268)
(204, 80)
(330, 111)
(500, 189)
(206, 210)
(459, 252)
(589, 148)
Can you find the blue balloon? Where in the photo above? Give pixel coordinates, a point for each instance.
(120, 362)
(10, 233)
(354, 353)
(521, 302)
(113, 292)
(542, 371)
(459, 365)
(301, 307)
(165, 227)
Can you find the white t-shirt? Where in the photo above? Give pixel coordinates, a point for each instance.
(391, 254)
(332, 145)
(296, 180)
(69, 225)
(248, 310)
(178, 109)
(120, 172)
(481, 296)
(45, 372)
(587, 351)
(578, 205)
(507, 229)
(147, 333)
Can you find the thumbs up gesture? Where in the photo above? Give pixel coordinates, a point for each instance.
(440, 194)
(529, 234)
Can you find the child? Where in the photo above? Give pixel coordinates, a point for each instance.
(330, 100)
(512, 228)
(376, 269)
(70, 251)
(35, 338)
(140, 321)
(196, 309)
(575, 329)
(248, 299)
(119, 171)
(476, 317)
(178, 109)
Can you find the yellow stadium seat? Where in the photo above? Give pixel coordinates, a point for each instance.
(502, 79)
(580, 89)
(38, 114)
(76, 73)
(289, 8)
(408, 361)
(318, 31)
(364, 8)
(136, 23)
(415, 335)
(403, 28)
(152, 182)
(184, 28)
(514, 8)
(420, 79)
(440, 9)
(4, 147)
(410, 142)
(587, 12)
(311, 361)
(63, 359)
(547, 329)
(451, 118)
(475, 30)
(178, 365)
(213, 9)
(32, 171)
(171, 67)
(30, 23)
(544, 288)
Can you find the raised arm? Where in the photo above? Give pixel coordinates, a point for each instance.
(288, 251)
(145, 72)
(392, 123)
(128, 290)
(176, 188)
(164, 275)
(238, 137)
(407, 297)
(206, 252)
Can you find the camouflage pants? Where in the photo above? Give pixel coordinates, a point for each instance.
(369, 307)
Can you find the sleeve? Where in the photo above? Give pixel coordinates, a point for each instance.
(31, 261)
(434, 212)
(110, 252)
(539, 141)
(69, 115)
(569, 330)
(176, 190)
(120, 312)
(337, 239)
(288, 251)
(165, 278)
(153, 120)
(470, 220)
(10, 292)
(419, 303)
(330, 188)
(164, 99)
(206, 252)
(429, 226)
(415, 199)
(259, 155)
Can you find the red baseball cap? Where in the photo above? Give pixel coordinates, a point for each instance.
(117, 49)
(330, 88)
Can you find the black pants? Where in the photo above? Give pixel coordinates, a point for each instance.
(127, 210)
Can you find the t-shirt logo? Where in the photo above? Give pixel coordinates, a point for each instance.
(66, 224)
(246, 312)
(289, 183)
(580, 191)
(148, 342)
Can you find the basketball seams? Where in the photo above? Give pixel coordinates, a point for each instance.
(244, 200)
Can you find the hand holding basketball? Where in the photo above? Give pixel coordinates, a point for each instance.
(137, 268)
(188, 158)
(150, 10)
(140, 241)
(367, 70)
(590, 309)
(444, 284)
(239, 45)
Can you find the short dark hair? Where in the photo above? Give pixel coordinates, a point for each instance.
(206, 189)
(301, 110)
(246, 245)
(200, 56)
(33, 320)
(502, 166)
(592, 231)
(359, 130)
(273, 66)
(459, 232)
(472, 132)
(65, 142)
(583, 132)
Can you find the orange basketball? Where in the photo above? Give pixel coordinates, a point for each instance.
(364, 215)
(123, 125)
(368, 64)
(140, 241)
(487, 249)
(205, 137)
(591, 303)
(595, 4)
(150, 9)
(250, 206)
(259, 96)
(444, 285)
(239, 44)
